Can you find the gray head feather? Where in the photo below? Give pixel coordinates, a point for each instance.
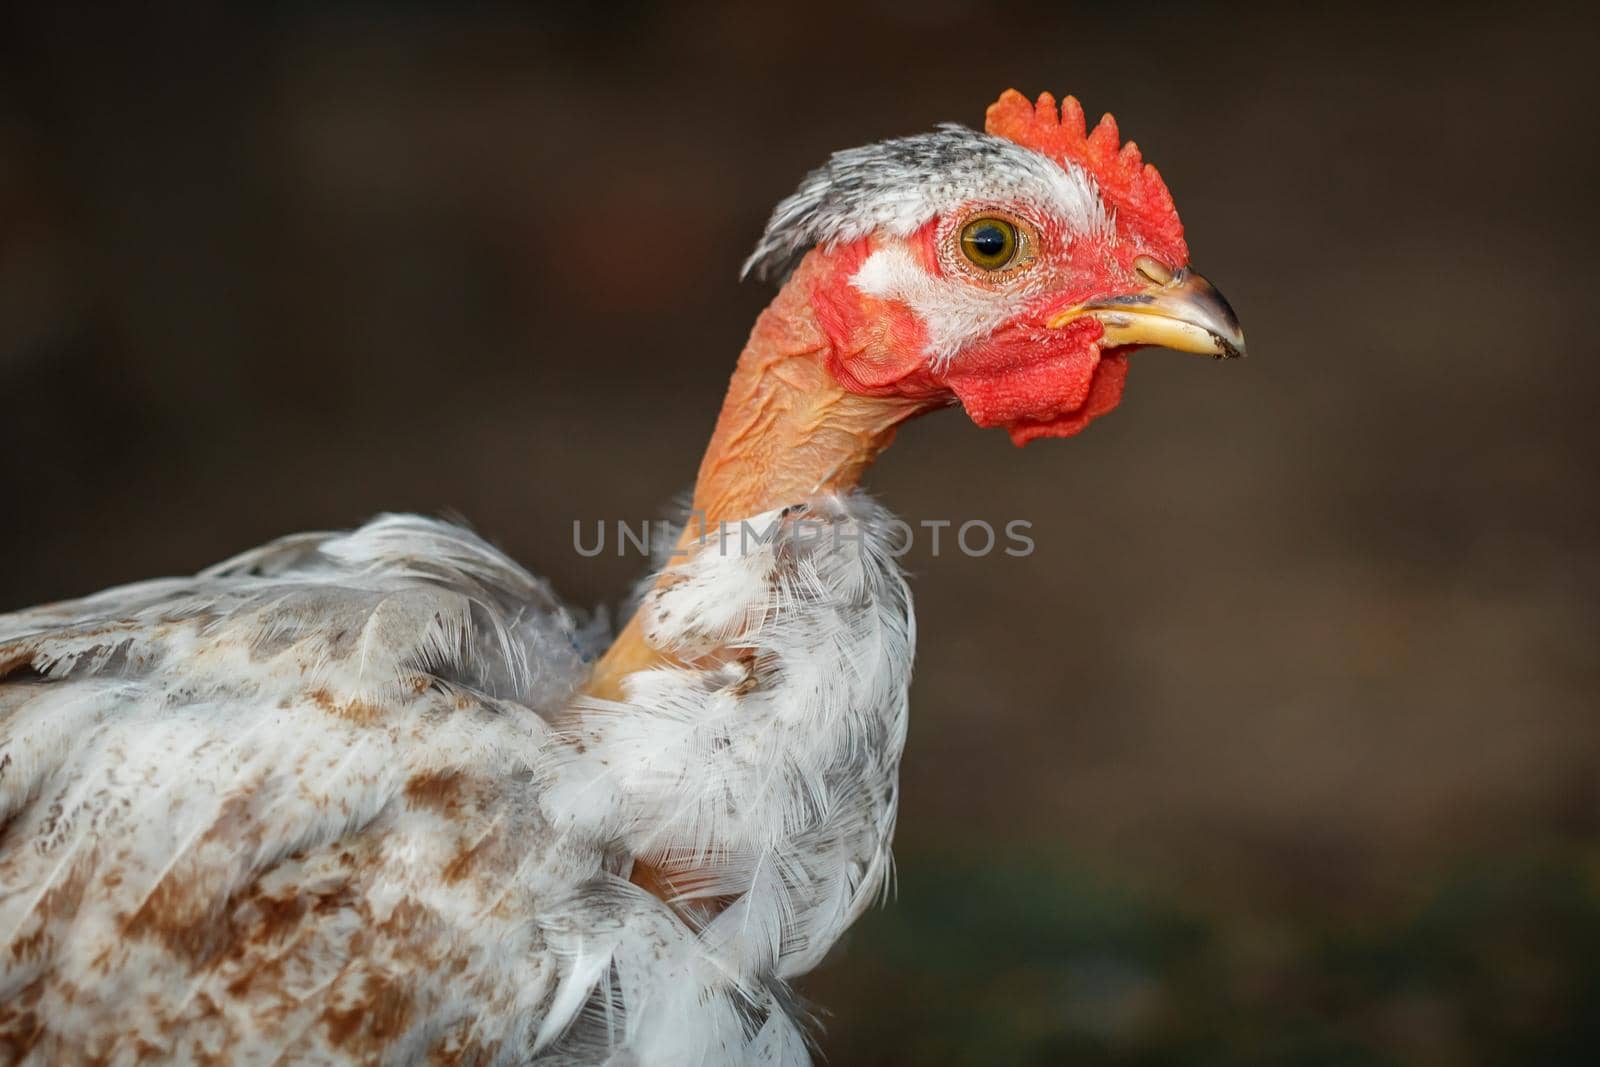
(896, 186)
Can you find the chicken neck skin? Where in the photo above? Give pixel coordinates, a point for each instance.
(788, 431)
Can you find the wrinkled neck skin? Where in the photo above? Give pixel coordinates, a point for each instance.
(788, 431)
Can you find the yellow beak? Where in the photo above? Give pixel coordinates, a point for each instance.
(1178, 310)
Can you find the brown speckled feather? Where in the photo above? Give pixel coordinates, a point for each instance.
(312, 806)
(281, 810)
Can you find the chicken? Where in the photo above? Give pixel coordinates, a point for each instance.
(377, 796)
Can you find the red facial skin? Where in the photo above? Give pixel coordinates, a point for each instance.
(1024, 376)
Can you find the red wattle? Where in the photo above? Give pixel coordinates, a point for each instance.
(1038, 382)
(1105, 392)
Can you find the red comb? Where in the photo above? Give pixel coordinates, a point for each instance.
(1130, 185)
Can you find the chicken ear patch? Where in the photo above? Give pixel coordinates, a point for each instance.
(1130, 186)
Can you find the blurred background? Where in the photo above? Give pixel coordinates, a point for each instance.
(1282, 748)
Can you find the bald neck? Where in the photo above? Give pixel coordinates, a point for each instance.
(787, 432)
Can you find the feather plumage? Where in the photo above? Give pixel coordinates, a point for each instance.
(313, 804)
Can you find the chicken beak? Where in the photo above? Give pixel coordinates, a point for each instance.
(1179, 310)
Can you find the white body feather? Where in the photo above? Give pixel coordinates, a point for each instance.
(325, 803)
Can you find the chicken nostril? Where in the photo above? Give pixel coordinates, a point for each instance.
(1154, 269)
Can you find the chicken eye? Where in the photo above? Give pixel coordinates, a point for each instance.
(989, 243)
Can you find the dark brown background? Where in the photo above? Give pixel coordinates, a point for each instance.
(1282, 748)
